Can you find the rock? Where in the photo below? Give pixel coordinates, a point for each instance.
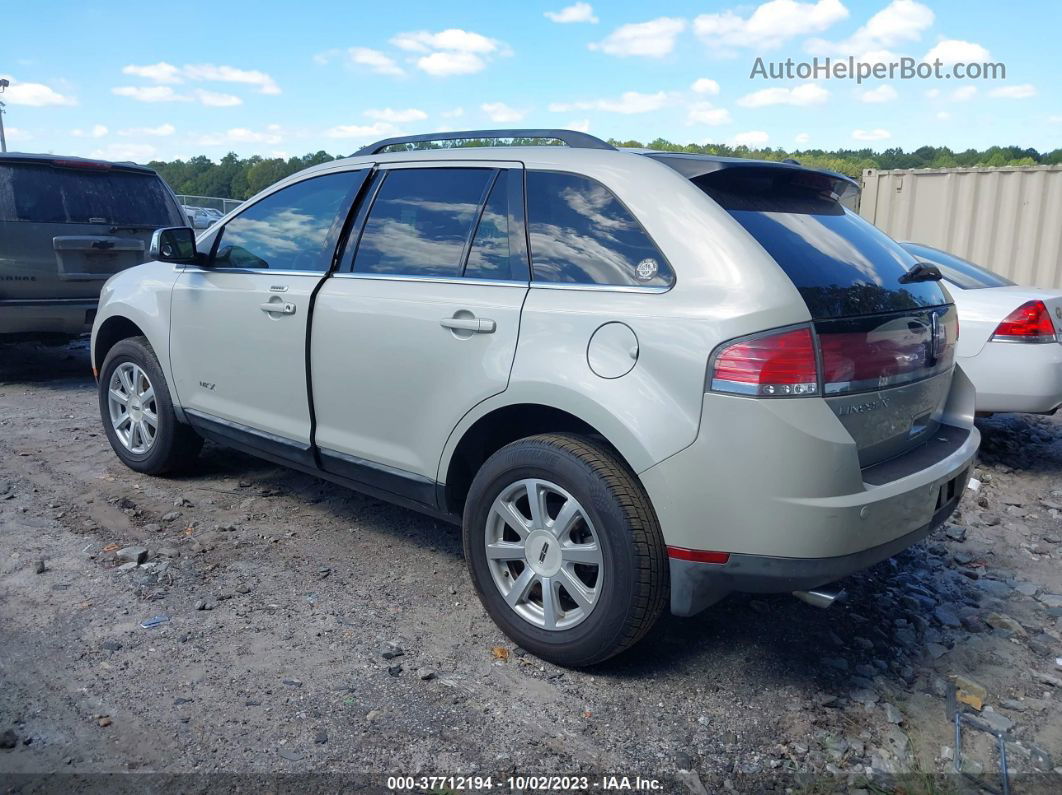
(1047, 679)
(973, 623)
(892, 714)
(8, 740)
(906, 637)
(291, 682)
(375, 715)
(1012, 704)
(425, 674)
(970, 691)
(290, 755)
(135, 555)
(243, 588)
(1026, 588)
(394, 670)
(111, 645)
(946, 616)
(391, 650)
(971, 766)
(863, 696)
(172, 516)
(1040, 645)
(1002, 621)
(955, 533)
(127, 566)
(692, 782)
(39, 567)
(183, 502)
(205, 604)
(104, 721)
(995, 588)
(997, 722)
(1050, 600)
(936, 650)
(321, 737)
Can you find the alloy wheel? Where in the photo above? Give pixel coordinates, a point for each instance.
(133, 408)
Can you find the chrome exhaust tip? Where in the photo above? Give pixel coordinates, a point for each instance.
(819, 598)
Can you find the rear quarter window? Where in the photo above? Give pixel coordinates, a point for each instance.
(47, 194)
(580, 233)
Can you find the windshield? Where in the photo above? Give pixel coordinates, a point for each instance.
(841, 264)
(46, 194)
(958, 271)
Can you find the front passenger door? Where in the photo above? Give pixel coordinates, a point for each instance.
(238, 324)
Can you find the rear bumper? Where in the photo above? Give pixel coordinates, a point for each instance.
(696, 586)
(1017, 377)
(777, 486)
(47, 316)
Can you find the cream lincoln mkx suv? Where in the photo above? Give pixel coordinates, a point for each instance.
(633, 377)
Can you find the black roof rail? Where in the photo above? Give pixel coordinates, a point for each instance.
(576, 140)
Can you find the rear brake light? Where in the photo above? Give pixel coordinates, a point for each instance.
(87, 165)
(1030, 322)
(782, 364)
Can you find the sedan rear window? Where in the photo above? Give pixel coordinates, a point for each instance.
(958, 271)
(47, 194)
(841, 264)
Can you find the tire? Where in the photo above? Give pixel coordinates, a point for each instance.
(174, 445)
(626, 588)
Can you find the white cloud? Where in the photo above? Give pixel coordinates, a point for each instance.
(652, 39)
(877, 134)
(1022, 91)
(445, 64)
(160, 72)
(579, 125)
(161, 130)
(139, 153)
(1054, 119)
(579, 12)
(953, 51)
(450, 52)
(933, 93)
(17, 134)
(707, 113)
(215, 99)
(883, 93)
(705, 85)
(149, 93)
(802, 138)
(501, 113)
(376, 61)
(242, 135)
(963, 94)
(943, 116)
(770, 25)
(364, 132)
(751, 138)
(628, 102)
(98, 131)
(397, 116)
(230, 74)
(163, 72)
(34, 94)
(802, 95)
(900, 22)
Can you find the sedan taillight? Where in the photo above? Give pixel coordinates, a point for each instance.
(1030, 322)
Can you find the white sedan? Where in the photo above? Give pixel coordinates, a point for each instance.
(1010, 337)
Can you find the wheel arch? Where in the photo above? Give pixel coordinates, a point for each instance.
(483, 432)
(112, 331)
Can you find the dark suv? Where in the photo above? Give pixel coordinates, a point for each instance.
(67, 224)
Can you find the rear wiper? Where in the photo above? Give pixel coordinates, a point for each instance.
(922, 272)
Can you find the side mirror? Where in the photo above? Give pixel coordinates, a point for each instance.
(174, 244)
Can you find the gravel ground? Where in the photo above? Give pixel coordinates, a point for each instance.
(311, 629)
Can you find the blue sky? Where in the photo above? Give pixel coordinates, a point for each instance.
(163, 80)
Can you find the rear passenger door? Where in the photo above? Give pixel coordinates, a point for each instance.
(421, 322)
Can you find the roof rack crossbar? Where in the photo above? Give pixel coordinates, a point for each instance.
(576, 140)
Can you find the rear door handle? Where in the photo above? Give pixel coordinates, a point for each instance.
(278, 308)
(476, 325)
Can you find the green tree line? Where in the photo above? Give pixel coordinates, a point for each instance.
(234, 177)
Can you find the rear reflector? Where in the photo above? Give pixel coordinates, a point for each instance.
(697, 555)
(779, 364)
(1030, 322)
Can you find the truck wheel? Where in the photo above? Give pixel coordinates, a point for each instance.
(137, 414)
(564, 549)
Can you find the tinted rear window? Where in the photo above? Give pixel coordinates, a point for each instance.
(45, 194)
(958, 271)
(841, 264)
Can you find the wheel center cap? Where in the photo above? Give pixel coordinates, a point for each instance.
(543, 553)
(135, 408)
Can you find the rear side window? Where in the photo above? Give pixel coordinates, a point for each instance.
(841, 264)
(956, 270)
(293, 229)
(582, 234)
(53, 195)
(421, 221)
(489, 256)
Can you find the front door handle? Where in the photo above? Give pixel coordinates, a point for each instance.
(278, 308)
(477, 325)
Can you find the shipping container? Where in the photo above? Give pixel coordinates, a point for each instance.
(1006, 219)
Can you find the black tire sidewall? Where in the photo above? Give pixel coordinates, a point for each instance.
(137, 352)
(606, 625)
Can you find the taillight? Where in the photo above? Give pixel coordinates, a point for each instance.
(1030, 322)
(782, 364)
